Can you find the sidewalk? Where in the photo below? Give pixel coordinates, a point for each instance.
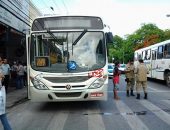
(15, 97)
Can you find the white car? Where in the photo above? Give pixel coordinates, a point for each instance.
(122, 68)
(110, 70)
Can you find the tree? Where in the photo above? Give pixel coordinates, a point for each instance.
(148, 34)
(167, 34)
(115, 48)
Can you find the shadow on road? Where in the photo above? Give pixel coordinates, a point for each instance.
(161, 82)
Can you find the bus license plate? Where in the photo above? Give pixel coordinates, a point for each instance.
(96, 94)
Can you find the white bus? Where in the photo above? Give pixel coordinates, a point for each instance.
(157, 59)
(67, 59)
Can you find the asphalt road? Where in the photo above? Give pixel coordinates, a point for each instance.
(125, 114)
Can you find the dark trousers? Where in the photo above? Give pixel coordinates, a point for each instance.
(6, 82)
(20, 82)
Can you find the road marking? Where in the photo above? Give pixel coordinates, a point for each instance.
(149, 87)
(58, 121)
(134, 122)
(157, 111)
(95, 121)
(147, 91)
(158, 90)
(167, 101)
(153, 89)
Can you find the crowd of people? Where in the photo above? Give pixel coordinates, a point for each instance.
(4, 78)
(14, 74)
(136, 77)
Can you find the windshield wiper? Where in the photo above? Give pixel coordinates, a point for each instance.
(79, 37)
(55, 38)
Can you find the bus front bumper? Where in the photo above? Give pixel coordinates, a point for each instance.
(69, 95)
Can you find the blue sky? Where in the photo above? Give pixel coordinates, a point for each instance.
(123, 16)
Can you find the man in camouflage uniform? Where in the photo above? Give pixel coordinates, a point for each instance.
(141, 79)
(130, 78)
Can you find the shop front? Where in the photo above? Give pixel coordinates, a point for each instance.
(12, 44)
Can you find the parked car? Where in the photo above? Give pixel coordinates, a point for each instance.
(122, 68)
(110, 70)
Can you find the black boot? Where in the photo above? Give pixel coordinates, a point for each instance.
(131, 93)
(127, 93)
(138, 96)
(146, 96)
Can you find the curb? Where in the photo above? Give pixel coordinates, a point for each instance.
(16, 97)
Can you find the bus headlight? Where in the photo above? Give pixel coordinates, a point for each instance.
(97, 83)
(39, 85)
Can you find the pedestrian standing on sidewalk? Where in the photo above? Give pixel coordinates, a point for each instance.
(6, 71)
(20, 76)
(130, 78)
(25, 74)
(3, 116)
(14, 68)
(141, 78)
(116, 74)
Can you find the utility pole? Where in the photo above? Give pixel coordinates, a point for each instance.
(123, 56)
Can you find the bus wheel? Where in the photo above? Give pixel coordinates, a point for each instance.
(168, 79)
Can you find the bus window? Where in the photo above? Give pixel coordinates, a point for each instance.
(136, 56)
(153, 55)
(160, 52)
(139, 55)
(143, 55)
(148, 56)
(167, 51)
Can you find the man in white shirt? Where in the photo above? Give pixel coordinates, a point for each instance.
(1, 71)
(6, 72)
(3, 116)
(20, 76)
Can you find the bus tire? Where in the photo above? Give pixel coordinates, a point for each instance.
(168, 79)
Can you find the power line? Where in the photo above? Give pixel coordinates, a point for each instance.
(46, 5)
(56, 5)
(65, 6)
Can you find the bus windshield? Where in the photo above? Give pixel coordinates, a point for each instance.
(53, 51)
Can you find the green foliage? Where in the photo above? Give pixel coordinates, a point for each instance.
(167, 34)
(123, 49)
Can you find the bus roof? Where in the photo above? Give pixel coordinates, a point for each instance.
(154, 46)
(67, 22)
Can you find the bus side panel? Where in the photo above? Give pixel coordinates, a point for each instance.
(158, 69)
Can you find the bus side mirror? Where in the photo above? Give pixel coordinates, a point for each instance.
(109, 40)
(109, 37)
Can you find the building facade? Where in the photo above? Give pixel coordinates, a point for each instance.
(15, 19)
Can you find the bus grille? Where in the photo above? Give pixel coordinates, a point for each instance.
(74, 94)
(79, 86)
(74, 79)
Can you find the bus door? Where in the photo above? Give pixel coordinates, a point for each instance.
(153, 64)
(28, 51)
